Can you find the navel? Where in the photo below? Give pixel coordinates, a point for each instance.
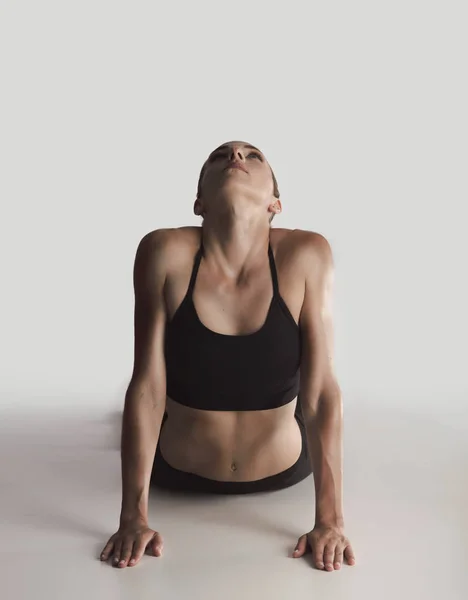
(233, 467)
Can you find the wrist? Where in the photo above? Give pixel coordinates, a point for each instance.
(134, 506)
(133, 517)
(329, 521)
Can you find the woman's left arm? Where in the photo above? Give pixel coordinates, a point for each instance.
(321, 403)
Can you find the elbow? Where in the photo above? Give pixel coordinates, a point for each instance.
(326, 404)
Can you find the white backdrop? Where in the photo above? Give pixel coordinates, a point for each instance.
(108, 110)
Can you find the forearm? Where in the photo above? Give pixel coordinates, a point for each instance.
(141, 425)
(325, 441)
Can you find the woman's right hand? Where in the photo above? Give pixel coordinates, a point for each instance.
(129, 543)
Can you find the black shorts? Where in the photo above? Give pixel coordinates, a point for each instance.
(167, 477)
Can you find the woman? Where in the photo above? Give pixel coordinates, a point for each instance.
(233, 388)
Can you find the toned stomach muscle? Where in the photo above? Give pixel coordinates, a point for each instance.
(230, 446)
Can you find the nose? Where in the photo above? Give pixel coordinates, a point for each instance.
(236, 154)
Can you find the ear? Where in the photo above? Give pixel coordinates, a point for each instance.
(197, 208)
(276, 206)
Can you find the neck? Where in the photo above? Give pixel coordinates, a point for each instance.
(235, 245)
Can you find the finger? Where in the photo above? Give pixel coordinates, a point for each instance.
(138, 551)
(328, 555)
(127, 550)
(349, 554)
(157, 544)
(338, 557)
(107, 550)
(117, 550)
(140, 546)
(300, 546)
(318, 554)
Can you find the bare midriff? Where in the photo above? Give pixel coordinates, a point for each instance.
(228, 445)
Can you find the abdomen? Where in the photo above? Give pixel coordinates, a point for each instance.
(228, 445)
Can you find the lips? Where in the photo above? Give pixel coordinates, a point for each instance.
(236, 165)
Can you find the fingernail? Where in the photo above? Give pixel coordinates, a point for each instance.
(132, 561)
(337, 565)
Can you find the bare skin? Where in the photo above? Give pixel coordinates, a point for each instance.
(228, 445)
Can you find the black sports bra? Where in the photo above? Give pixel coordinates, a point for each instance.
(213, 371)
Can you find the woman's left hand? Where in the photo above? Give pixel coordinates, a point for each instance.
(328, 545)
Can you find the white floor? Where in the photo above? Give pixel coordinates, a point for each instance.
(406, 514)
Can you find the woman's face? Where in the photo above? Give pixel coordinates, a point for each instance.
(254, 179)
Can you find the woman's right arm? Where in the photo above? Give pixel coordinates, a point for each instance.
(145, 401)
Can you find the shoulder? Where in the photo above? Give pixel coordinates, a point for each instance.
(311, 241)
(167, 236)
(167, 245)
(313, 252)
